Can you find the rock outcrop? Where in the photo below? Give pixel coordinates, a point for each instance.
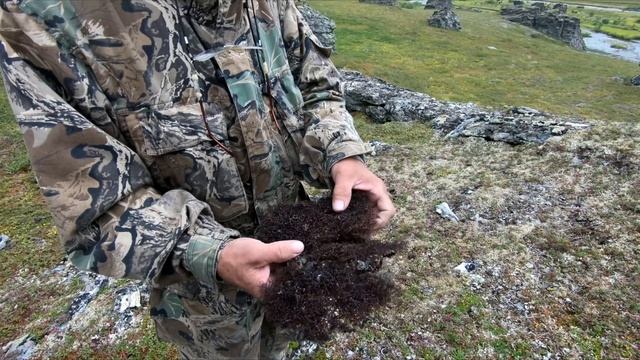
(444, 17)
(322, 26)
(438, 4)
(635, 81)
(383, 102)
(381, 2)
(551, 22)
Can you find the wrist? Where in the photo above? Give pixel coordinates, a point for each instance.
(354, 161)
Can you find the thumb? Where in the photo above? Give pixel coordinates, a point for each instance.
(281, 251)
(341, 193)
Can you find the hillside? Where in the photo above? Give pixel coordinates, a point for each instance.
(542, 264)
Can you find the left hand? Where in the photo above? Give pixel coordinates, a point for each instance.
(351, 173)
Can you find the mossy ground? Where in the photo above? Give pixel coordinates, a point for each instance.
(555, 240)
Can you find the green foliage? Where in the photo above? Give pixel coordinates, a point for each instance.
(618, 46)
(393, 132)
(408, 5)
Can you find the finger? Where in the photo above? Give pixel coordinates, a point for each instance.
(342, 193)
(377, 193)
(281, 251)
(383, 219)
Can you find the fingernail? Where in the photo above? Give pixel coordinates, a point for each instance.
(338, 205)
(297, 247)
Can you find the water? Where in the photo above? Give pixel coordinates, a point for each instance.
(601, 43)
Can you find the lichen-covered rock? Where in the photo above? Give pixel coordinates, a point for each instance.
(381, 2)
(444, 19)
(322, 26)
(438, 4)
(551, 22)
(5, 241)
(561, 8)
(383, 102)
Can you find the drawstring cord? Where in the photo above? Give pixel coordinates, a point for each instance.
(195, 81)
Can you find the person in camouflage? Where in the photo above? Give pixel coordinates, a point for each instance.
(161, 131)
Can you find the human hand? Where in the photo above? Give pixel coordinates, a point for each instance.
(245, 262)
(351, 173)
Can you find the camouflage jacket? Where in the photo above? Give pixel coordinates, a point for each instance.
(159, 128)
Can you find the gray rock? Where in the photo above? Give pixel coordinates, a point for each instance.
(383, 102)
(305, 350)
(539, 5)
(445, 19)
(518, 3)
(467, 269)
(127, 300)
(5, 241)
(322, 26)
(561, 8)
(551, 22)
(93, 283)
(381, 2)
(19, 349)
(635, 81)
(439, 4)
(378, 147)
(445, 212)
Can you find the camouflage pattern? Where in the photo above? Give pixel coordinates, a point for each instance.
(107, 94)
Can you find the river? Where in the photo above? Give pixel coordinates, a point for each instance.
(601, 43)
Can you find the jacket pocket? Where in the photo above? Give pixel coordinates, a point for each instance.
(175, 144)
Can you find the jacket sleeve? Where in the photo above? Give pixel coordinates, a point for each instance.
(110, 218)
(330, 134)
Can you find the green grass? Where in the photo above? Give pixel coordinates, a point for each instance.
(394, 133)
(397, 45)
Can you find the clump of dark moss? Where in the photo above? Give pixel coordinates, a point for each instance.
(334, 284)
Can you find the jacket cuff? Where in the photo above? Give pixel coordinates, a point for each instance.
(205, 242)
(345, 150)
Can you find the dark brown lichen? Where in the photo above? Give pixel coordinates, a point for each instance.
(334, 284)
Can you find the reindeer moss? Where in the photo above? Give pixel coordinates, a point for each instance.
(335, 284)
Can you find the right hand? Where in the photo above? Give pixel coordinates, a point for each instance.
(245, 262)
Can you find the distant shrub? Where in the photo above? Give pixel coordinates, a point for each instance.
(408, 5)
(619, 46)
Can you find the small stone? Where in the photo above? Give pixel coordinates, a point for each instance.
(378, 147)
(492, 48)
(464, 267)
(363, 266)
(445, 212)
(129, 299)
(576, 162)
(4, 241)
(19, 349)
